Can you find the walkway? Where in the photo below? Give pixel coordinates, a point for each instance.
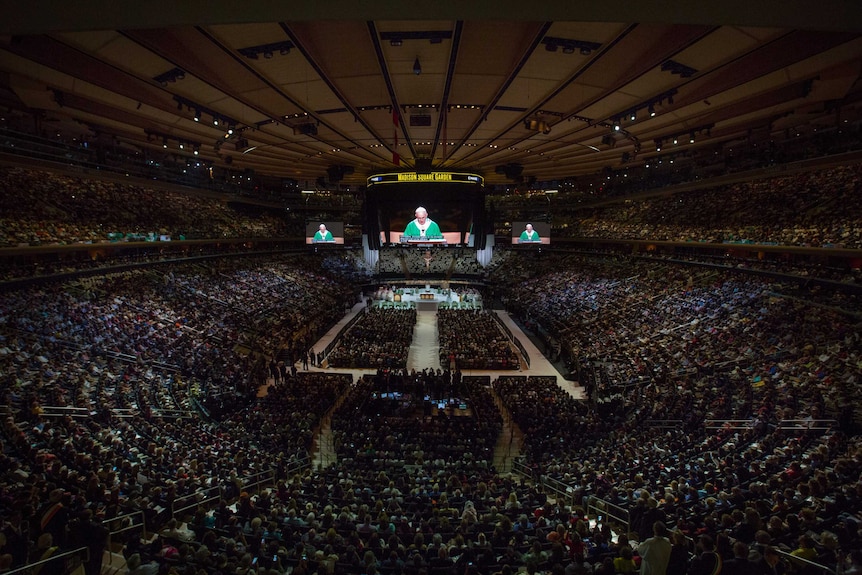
(424, 354)
(425, 348)
(511, 439)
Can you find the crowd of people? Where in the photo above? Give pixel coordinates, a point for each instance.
(438, 420)
(474, 340)
(728, 385)
(43, 208)
(381, 338)
(138, 392)
(814, 208)
(141, 353)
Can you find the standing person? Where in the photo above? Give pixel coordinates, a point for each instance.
(422, 226)
(655, 551)
(88, 532)
(529, 235)
(708, 562)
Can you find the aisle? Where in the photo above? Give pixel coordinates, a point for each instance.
(424, 350)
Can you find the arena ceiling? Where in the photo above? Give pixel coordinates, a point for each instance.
(334, 91)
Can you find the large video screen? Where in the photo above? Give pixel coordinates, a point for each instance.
(531, 233)
(323, 233)
(425, 209)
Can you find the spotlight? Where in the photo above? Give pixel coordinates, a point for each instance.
(267, 54)
(197, 114)
(691, 138)
(164, 143)
(417, 67)
(616, 126)
(658, 145)
(182, 146)
(197, 150)
(568, 49)
(230, 129)
(633, 116)
(215, 121)
(651, 111)
(396, 42)
(675, 141)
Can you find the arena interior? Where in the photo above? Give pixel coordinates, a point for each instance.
(223, 351)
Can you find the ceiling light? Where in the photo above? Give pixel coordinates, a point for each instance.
(197, 114)
(651, 111)
(417, 67)
(215, 121)
(691, 138)
(633, 116)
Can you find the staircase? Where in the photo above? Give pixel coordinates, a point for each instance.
(322, 452)
(510, 442)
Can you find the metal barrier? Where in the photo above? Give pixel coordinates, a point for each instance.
(729, 423)
(212, 494)
(601, 507)
(788, 424)
(806, 562)
(261, 478)
(663, 423)
(808, 424)
(173, 413)
(64, 411)
(121, 518)
(562, 491)
(193, 500)
(522, 469)
(82, 552)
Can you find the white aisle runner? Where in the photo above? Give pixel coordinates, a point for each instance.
(424, 351)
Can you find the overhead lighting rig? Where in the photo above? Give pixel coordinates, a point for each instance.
(678, 69)
(582, 47)
(170, 141)
(170, 76)
(267, 50)
(689, 136)
(217, 119)
(434, 36)
(537, 124)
